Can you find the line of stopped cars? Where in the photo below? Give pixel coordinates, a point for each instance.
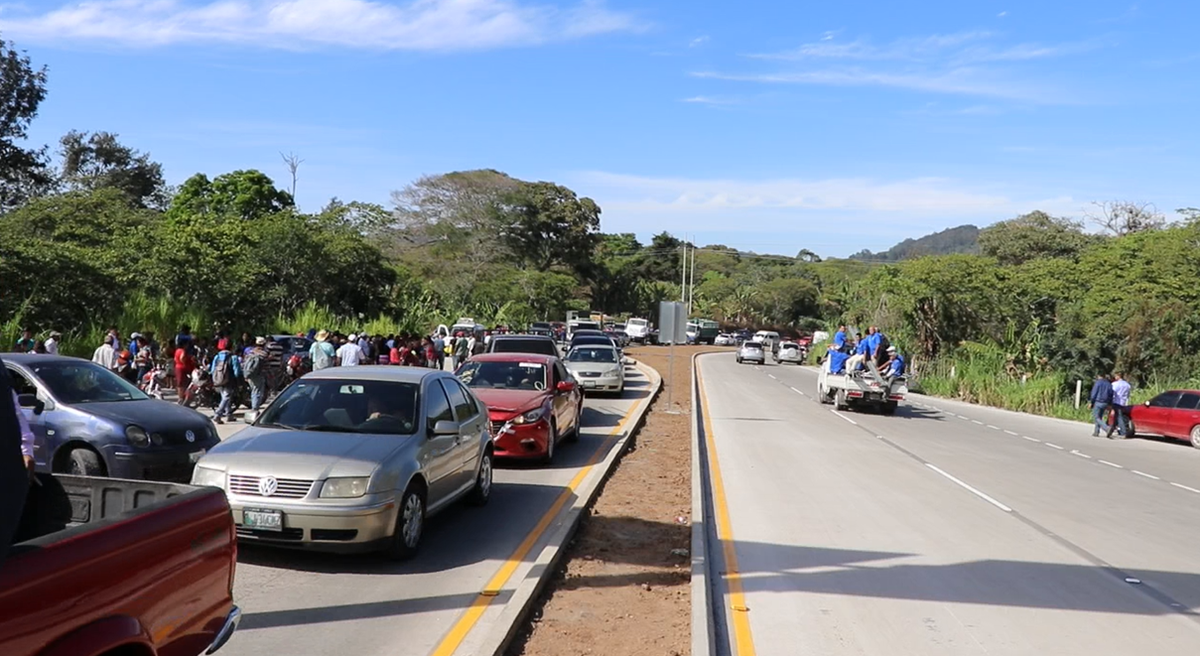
(352, 459)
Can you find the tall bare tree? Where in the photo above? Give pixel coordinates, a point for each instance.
(293, 162)
(1122, 217)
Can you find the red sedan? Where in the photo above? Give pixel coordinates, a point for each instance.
(1170, 414)
(532, 402)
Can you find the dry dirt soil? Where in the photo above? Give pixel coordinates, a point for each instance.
(624, 586)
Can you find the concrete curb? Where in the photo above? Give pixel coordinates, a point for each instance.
(517, 608)
(703, 623)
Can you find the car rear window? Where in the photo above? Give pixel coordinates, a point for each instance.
(523, 345)
(752, 345)
(1189, 401)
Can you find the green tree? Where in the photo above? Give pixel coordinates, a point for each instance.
(24, 172)
(99, 161)
(245, 195)
(1033, 236)
(546, 225)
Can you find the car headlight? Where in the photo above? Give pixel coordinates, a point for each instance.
(530, 417)
(344, 488)
(207, 476)
(615, 371)
(137, 436)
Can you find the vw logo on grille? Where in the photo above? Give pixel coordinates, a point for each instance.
(267, 486)
(190, 436)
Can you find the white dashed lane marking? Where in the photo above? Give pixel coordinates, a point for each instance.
(1184, 487)
(970, 489)
(1031, 439)
(1150, 476)
(1010, 432)
(1110, 464)
(1053, 446)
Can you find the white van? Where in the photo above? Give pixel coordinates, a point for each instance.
(637, 329)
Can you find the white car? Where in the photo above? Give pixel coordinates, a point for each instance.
(751, 352)
(597, 367)
(724, 339)
(789, 352)
(638, 329)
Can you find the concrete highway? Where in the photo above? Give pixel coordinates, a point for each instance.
(311, 603)
(946, 529)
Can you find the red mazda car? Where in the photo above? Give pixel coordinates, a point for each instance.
(532, 402)
(1170, 414)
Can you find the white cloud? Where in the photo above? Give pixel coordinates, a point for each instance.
(710, 100)
(957, 48)
(963, 81)
(415, 25)
(698, 41)
(1002, 14)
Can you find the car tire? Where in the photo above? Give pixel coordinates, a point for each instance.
(1195, 435)
(410, 522)
(1130, 431)
(482, 491)
(839, 401)
(550, 440)
(82, 461)
(573, 436)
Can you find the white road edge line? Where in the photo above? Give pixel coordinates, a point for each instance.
(1184, 487)
(1150, 476)
(1081, 455)
(970, 489)
(844, 417)
(1110, 464)
(1031, 439)
(1010, 432)
(1053, 446)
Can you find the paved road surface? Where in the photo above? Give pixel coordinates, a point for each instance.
(927, 533)
(302, 603)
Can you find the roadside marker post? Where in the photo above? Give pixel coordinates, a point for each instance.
(672, 324)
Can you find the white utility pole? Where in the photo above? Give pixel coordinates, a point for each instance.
(683, 278)
(692, 286)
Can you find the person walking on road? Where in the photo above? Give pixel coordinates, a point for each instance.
(1099, 401)
(105, 355)
(226, 368)
(322, 352)
(462, 350)
(350, 354)
(1121, 390)
(255, 368)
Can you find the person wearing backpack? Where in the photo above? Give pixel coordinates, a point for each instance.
(225, 369)
(255, 370)
(322, 352)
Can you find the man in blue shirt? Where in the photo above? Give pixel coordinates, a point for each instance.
(837, 361)
(1100, 399)
(1120, 405)
(839, 338)
(895, 364)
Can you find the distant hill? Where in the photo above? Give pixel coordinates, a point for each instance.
(963, 239)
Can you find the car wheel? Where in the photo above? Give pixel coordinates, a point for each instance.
(573, 436)
(410, 522)
(1130, 431)
(82, 461)
(739, 360)
(550, 440)
(483, 481)
(1196, 436)
(839, 401)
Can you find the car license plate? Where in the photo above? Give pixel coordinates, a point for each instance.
(589, 383)
(263, 520)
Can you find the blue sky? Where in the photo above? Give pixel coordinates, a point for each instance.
(767, 126)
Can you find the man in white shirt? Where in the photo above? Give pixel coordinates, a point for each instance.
(349, 355)
(52, 343)
(1120, 405)
(105, 355)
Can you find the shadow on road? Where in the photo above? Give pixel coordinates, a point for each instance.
(367, 610)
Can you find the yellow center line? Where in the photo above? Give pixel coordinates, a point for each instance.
(475, 611)
(743, 640)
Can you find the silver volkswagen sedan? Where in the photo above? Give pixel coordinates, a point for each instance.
(597, 367)
(355, 459)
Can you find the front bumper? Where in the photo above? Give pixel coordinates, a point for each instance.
(168, 464)
(349, 528)
(601, 384)
(520, 440)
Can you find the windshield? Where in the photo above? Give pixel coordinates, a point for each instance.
(587, 340)
(504, 375)
(592, 354)
(752, 345)
(84, 382)
(345, 406)
(637, 323)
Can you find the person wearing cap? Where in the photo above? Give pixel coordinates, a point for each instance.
(52, 343)
(894, 366)
(105, 355)
(322, 352)
(255, 366)
(349, 354)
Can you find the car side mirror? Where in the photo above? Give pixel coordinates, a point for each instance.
(445, 427)
(1147, 404)
(32, 401)
(565, 386)
(251, 417)
(626, 361)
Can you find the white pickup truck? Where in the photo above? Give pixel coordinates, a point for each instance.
(854, 389)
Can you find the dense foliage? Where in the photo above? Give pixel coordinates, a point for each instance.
(961, 239)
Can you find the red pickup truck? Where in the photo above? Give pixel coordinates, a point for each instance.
(109, 567)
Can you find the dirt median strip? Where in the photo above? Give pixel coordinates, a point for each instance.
(624, 586)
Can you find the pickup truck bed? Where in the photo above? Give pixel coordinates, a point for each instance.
(860, 388)
(110, 566)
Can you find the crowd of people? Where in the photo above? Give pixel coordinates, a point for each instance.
(875, 350)
(1109, 402)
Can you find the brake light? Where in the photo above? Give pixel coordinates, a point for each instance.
(895, 397)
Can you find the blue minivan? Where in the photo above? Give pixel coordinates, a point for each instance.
(89, 421)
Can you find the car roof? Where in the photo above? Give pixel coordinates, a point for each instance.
(584, 332)
(540, 358)
(376, 372)
(522, 336)
(599, 346)
(27, 359)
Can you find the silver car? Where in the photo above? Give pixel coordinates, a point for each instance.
(751, 352)
(789, 352)
(597, 367)
(355, 459)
